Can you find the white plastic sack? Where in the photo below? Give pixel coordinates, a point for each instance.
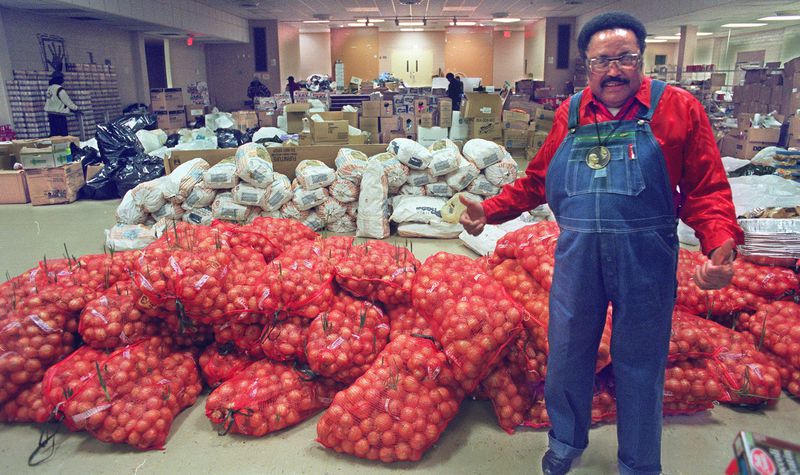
(411, 153)
(128, 237)
(199, 216)
(151, 140)
(465, 174)
(372, 203)
(248, 195)
(276, 213)
(411, 190)
(396, 172)
(169, 211)
(208, 144)
(289, 211)
(220, 120)
(307, 199)
(224, 208)
(254, 165)
(149, 195)
(347, 224)
(446, 157)
(161, 152)
(503, 172)
(278, 193)
(128, 212)
(731, 164)
(350, 164)
(417, 209)
(180, 182)
(482, 186)
(268, 133)
(436, 230)
(766, 191)
(332, 210)
(419, 178)
(222, 175)
(766, 156)
(344, 191)
(440, 188)
(200, 197)
(314, 220)
(482, 153)
(484, 243)
(313, 174)
(686, 234)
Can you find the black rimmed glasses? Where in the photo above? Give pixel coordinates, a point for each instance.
(624, 61)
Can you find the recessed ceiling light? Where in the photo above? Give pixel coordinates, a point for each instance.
(743, 25)
(651, 40)
(370, 20)
(412, 29)
(704, 33)
(780, 18)
(666, 37)
(357, 24)
(316, 21)
(411, 23)
(463, 23)
(506, 20)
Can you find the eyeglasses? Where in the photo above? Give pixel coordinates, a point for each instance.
(624, 61)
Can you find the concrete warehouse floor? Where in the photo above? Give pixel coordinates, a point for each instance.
(472, 444)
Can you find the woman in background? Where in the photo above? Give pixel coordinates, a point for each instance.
(58, 106)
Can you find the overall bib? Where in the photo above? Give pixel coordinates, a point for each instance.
(618, 245)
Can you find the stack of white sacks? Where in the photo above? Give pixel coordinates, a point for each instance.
(408, 184)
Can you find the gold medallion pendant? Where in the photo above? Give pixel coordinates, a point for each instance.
(598, 157)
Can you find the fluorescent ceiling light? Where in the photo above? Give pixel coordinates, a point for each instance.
(652, 40)
(780, 18)
(666, 37)
(371, 20)
(357, 24)
(505, 20)
(704, 33)
(412, 29)
(316, 21)
(463, 23)
(743, 25)
(411, 23)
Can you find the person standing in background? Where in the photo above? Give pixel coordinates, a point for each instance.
(455, 90)
(292, 86)
(257, 89)
(58, 106)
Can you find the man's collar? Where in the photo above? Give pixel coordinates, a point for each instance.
(643, 96)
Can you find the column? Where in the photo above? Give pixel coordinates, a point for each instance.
(6, 74)
(686, 48)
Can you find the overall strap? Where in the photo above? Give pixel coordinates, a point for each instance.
(656, 90)
(574, 110)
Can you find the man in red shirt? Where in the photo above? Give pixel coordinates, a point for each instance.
(625, 159)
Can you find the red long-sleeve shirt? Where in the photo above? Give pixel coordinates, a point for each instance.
(702, 193)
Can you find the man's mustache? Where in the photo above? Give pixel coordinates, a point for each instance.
(614, 79)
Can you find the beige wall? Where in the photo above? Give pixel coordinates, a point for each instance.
(433, 41)
(534, 49)
(231, 67)
(509, 57)
(315, 54)
(290, 53)
(358, 49)
(469, 51)
(653, 49)
(555, 77)
(187, 64)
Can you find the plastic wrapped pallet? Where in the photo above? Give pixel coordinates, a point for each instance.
(278, 193)
(462, 176)
(482, 186)
(396, 172)
(200, 197)
(224, 208)
(344, 190)
(150, 194)
(372, 203)
(419, 178)
(199, 216)
(127, 237)
(440, 188)
(503, 172)
(313, 174)
(350, 164)
(254, 165)
(222, 175)
(179, 183)
(128, 212)
(306, 199)
(248, 195)
(411, 153)
(446, 157)
(482, 153)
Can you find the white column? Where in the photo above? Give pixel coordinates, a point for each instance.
(6, 74)
(686, 48)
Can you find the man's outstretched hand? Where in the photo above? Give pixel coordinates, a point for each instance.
(717, 272)
(473, 218)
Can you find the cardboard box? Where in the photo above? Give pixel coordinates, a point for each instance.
(330, 131)
(536, 140)
(792, 80)
(445, 106)
(193, 112)
(763, 135)
(765, 93)
(13, 187)
(717, 80)
(425, 119)
(170, 99)
(407, 123)
(350, 117)
(171, 120)
(543, 114)
(485, 128)
(759, 454)
(387, 108)
(294, 117)
(49, 186)
(515, 138)
(267, 119)
(794, 126)
(791, 67)
(459, 129)
(428, 135)
(389, 123)
(92, 170)
(741, 145)
(265, 103)
(482, 105)
(245, 119)
(359, 139)
(541, 126)
(284, 159)
(421, 105)
(371, 126)
(371, 108)
(300, 97)
(45, 154)
(791, 101)
(516, 116)
(793, 141)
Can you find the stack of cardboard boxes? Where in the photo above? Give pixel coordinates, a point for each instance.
(541, 124)
(762, 91)
(483, 115)
(168, 107)
(50, 175)
(515, 130)
(745, 142)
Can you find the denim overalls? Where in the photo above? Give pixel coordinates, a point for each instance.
(618, 244)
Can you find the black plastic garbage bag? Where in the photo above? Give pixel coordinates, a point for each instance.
(102, 185)
(86, 155)
(199, 122)
(247, 137)
(137, 122)
(172, 140)
(228, 138)
(117, 143)
(139, 169)
(752, 170)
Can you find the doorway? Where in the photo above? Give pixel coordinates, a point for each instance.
(156, 63)
(413, 67)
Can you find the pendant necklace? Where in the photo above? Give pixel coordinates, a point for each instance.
(599, 156)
